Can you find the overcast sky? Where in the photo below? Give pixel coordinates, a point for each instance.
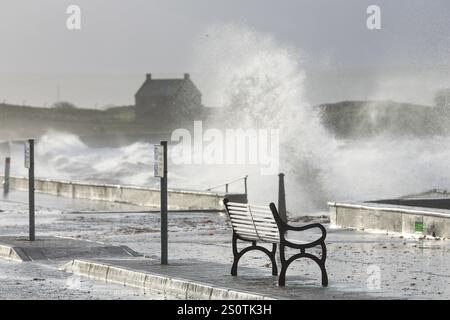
(125, 39)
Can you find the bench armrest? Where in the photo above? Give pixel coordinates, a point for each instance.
(305, 227)
(316, 242)
(283, 226)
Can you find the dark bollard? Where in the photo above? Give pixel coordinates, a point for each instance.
(245, 185)
(29, 164)
(7, 173)
(164, 205)
(281, 198)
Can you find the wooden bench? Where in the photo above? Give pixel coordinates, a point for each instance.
(255, 224)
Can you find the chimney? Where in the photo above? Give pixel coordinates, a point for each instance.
(187, 76)
(149, 76)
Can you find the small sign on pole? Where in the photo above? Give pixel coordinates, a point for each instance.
(7, 173)
(27, 154)
(159, 161)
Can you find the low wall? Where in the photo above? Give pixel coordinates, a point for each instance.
(177, 199)
(382, 217)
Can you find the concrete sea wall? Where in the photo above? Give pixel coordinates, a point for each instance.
(177, 199)
(390, 218)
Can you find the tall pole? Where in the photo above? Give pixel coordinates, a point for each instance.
(31, 189)
(164, 228)
(7, 173)
(281, 198)
(245, 185)
(245, 189)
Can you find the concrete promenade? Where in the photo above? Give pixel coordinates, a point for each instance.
(203, 279)
(184, 279)
(360, 265)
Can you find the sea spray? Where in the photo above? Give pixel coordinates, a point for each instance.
(65, 156)
(358, 170)
(260, 84)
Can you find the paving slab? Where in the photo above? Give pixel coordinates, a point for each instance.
(195, 279)
(58, 248)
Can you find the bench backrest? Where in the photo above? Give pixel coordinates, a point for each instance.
(252, 222)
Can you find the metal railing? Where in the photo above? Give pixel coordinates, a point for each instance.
(226, 184)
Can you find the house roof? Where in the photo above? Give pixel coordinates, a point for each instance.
(164, 87)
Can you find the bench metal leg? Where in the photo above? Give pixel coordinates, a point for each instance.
(237, 255)
(273, 259)
(320, 262)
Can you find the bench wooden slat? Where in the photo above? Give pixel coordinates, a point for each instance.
(269, 235)
(269, 240)
(242, 213)
(258, 226)
(264, 212)
(237, 204)
(244, 226)
(265, 238)
(274, 236)
(246, 213)
(253, 222)
(265, 228)
(237, 208)
(237, 213)
(258, 229)
(264, 221)
(257, 206)
(260, 216)
(235, 222)
(240, 218)
(249, 236)
(247, 231)
(256, 221)
(260, 209)
(256, 215)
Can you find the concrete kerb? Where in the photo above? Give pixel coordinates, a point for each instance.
(155, 282)
(13, 254)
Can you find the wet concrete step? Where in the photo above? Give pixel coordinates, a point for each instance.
(205, 280)
(58, 248)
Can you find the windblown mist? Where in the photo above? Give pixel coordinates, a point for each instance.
(261, 84)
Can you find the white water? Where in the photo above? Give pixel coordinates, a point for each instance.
(357, 170)
(64, 156)
(261, 81)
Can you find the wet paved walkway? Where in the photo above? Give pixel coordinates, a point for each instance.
(359, 264)
(251, 283)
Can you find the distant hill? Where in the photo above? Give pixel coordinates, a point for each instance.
(114, 125)
(359, 119)
(117, 125)
(61, 114)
